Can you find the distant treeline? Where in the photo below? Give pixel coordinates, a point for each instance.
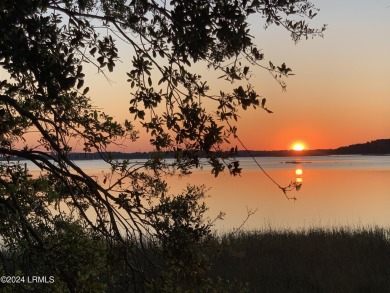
(375, 147)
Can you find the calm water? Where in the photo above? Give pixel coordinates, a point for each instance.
(336, 191)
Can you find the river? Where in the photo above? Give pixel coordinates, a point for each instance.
(336, 191)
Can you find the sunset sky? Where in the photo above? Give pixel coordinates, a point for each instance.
(340, 94)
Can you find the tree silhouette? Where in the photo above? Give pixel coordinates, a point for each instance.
(44, 45)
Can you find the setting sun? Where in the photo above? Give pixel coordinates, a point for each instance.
(298, 146)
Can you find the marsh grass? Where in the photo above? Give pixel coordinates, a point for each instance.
(313, 260)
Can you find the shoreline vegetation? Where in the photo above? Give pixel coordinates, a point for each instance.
(376, 147)
(314, 260)
(338, 259)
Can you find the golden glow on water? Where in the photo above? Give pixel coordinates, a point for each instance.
(328, 198)
(298, 173)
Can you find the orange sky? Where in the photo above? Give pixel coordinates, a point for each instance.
(340, 94)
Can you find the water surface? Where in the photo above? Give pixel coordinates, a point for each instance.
(336, 191)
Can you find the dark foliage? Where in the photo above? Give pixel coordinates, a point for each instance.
(316, 260)
(44, 45)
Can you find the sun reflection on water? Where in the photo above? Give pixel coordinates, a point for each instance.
(299, 174)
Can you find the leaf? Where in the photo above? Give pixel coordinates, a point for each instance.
(80, 84)
(93, 51)
(100, 60)
(86, 90)
(141, 114)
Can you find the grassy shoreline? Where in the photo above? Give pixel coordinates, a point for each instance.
(313, 260)
(295, 261)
